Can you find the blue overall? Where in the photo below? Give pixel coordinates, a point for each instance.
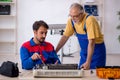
(99, 55)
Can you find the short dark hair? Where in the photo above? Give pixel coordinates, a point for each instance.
(77, 5)
(38, 24)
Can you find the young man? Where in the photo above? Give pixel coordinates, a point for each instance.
(37, 50)
(87, 30)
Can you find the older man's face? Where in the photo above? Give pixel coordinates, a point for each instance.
(76, 14)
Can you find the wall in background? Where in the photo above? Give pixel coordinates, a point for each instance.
(111, 22)
(56, 12)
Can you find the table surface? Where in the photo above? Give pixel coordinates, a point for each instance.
(28, 75)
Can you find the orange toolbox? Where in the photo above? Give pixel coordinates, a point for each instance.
(108, 72)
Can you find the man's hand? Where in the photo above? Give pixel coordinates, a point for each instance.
(56, 62)
(90, 50)
(85, 66)
(35, 56)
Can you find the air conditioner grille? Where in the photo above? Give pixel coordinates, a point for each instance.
(58, 73)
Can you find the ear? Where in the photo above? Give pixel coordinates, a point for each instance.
(34, 31)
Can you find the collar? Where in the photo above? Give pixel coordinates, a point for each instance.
(32, 43)
(84, 18)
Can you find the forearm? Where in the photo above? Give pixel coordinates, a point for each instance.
(27, 64)
(26, 60)
(61, 42)
(91, 45)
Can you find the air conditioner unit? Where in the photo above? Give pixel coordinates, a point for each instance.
(40, 73)
(57, 70)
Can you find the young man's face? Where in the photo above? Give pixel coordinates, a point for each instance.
(40, 34)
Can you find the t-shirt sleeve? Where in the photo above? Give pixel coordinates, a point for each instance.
(93, 28)
(69, 29)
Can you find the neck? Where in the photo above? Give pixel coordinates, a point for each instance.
(36, 41)
(82, 17)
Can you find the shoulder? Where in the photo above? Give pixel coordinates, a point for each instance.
(68, 29)
(69, 20)
(26, 44)
(48, 43)
(49, 46)
(91, 18)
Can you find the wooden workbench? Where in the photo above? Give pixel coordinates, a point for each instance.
(27, 75)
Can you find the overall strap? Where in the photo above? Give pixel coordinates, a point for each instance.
(85, 24)
(73, 25)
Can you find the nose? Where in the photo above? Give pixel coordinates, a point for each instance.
(73, 18)
(44, 34)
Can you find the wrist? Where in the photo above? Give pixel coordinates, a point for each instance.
(88, 61)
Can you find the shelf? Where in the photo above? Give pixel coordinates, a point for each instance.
(1, 2)
(7, 48)
(7, 28)
(92, 3)
(7, 15)
(7, 53)
(7, 42)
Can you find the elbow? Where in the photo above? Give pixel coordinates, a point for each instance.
(26, 67)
